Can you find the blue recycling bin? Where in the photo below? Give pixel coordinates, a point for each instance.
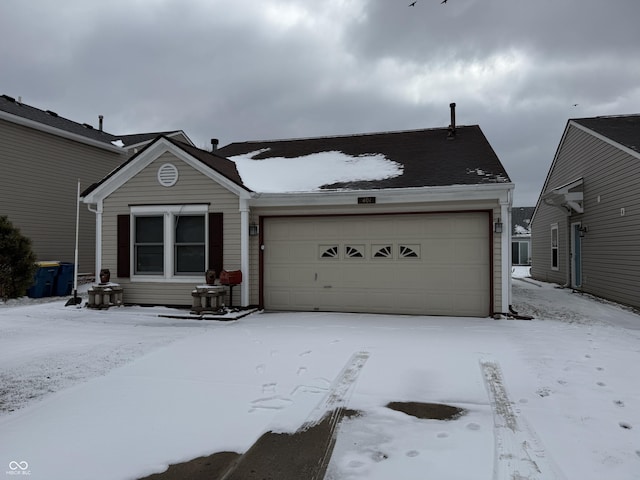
(44, 280)
(64, 280)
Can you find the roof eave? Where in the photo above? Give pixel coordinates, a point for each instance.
(135, 164)
(25, 122)
(604, 138)
(476, 192)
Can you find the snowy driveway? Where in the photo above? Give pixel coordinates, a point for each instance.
(122, 393)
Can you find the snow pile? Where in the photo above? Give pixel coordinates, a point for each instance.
(310, 172)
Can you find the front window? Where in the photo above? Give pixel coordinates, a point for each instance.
(149, 245)
(554, 247)
(189, 244)
(169, 241)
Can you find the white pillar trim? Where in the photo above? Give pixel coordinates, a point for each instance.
(244, 252)
(98, 259)
(505, 216)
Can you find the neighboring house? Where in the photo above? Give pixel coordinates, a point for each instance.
(586, 227)
(42, 157)
(404, 223)
(521, 235)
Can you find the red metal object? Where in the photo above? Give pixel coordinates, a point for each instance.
(233, 277)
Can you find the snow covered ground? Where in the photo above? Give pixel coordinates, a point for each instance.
(122, 393)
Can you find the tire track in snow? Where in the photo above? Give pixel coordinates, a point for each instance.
(519, 453)
(341, 389)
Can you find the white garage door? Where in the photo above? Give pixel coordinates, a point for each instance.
(429, 264)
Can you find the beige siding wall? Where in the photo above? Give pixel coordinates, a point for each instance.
(38, 185)
(378, 209)
(144, 189)
(611, 247)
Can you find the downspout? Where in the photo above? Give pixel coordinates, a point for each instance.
(98, 212)
(244, 252)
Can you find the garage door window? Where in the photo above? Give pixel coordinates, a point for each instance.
(409, 251)
(328, 251)
(382, 251)
(354, 251)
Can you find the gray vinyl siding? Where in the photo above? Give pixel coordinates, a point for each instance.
(611, 247)
(38, 186)
(143, 189)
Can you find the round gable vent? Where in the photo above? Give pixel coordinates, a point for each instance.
(167, 175)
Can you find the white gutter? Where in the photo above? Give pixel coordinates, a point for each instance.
(490, 191)
(60, 133)
(244, 252)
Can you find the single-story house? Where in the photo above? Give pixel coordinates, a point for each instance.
(586, 226)
(521, 235)
(42, 157)
(410, 222)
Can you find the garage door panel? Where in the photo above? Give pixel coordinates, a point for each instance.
(434, 264)
(469, 251)
(439, 251)
(373, 276)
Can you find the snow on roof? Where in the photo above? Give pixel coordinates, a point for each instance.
(311, 172)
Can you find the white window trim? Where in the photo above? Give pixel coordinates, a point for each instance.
(169, 212)
(554, 226)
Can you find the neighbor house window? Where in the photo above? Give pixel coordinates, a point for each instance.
(520, 253)
(554, 247)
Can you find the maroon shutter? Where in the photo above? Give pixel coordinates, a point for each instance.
(216, 242)
(124, 250)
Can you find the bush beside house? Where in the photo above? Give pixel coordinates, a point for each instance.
(17, 261)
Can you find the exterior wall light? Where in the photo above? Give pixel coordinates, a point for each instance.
(583, 231)
(497, 227)
(253, 229)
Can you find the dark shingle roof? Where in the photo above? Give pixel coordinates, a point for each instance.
(623, 129)
(142, 137)
(225, 167)
(428, 157)
(222, 165)
(52, 119)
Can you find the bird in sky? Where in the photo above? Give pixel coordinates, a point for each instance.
(575, 105)
(443, 1)
(412, 4)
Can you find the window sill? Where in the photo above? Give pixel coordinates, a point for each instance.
(199, 279)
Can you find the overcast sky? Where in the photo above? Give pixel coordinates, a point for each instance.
(267, 69)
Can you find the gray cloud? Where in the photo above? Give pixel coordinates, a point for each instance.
(242, 70)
